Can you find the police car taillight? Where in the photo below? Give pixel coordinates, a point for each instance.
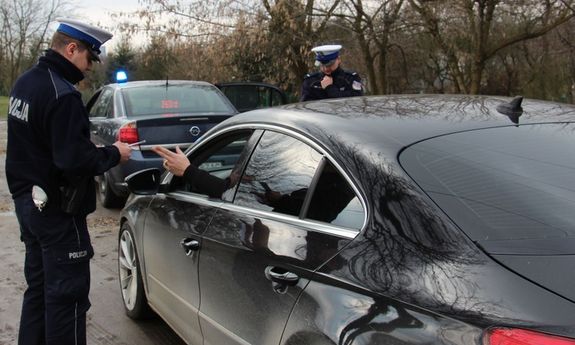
(128, 133)
(514, 336)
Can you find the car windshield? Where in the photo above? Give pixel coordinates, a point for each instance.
(174, 99)
(505, 184)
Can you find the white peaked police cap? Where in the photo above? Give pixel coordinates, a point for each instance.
(326, 54)
(90, 35)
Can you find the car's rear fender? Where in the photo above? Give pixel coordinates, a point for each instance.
(333, 312)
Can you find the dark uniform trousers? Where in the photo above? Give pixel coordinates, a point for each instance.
(57, 271)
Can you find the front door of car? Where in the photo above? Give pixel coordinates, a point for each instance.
(100, 110)
(175, 223)
(259, 252)
(172, 238)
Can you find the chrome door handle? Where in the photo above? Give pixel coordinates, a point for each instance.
(281, 278)
(190, 245)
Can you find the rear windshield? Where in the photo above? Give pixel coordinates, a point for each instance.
(502, 184)
(175, 99)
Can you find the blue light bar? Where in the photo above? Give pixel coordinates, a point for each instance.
(121, 76)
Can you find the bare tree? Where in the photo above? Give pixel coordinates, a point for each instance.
(462, 46)
(295, 26)
(285, 30)
(24, 28)
(471, 32)
(373, 24)
(198, 20)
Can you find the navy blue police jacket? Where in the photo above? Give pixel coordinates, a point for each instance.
(345, 84)
(49, 134)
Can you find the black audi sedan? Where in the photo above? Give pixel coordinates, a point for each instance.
(146, 113)
(427, 219)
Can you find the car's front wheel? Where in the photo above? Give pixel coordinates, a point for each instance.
(131, 284)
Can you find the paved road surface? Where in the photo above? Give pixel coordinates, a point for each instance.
(107, 323)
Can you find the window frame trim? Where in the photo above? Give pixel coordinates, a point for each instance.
(312, 186)
(308, 224)
(275, 215)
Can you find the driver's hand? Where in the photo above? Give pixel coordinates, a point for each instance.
(174, 162)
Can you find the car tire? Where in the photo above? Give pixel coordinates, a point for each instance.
(130, 277)
(108, 198)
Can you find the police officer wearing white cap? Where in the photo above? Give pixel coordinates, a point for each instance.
(332, 81)
(50, 169)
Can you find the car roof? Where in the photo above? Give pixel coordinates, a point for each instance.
(140, 83)
(247, 83)
(395, 121)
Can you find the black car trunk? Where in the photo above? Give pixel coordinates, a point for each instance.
(553, 272)
(175, 130)
(548, 262)
(511, 190)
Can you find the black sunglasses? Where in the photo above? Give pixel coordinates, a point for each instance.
(92, 55)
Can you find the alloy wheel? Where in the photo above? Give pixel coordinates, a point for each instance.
(128, 270)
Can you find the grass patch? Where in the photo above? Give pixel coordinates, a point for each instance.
(3, 107)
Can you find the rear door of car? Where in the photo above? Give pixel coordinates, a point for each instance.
(260, 252)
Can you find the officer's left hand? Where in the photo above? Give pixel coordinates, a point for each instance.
(326, 81)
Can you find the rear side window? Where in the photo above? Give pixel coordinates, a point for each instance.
(174, 99)
(334, 201)
(501, 184)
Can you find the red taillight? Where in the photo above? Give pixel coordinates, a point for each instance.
(128, 133)
(512, 336)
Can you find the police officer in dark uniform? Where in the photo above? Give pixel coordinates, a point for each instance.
(50, 169)
(332, 81)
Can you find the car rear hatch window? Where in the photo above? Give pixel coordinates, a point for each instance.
(510, 189)
(174, 99)
(174, 114)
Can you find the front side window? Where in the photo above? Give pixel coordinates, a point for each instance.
(278, 175)
(218, 165)
(275, 98)
(102, 104)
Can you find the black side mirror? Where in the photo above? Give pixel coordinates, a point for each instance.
(144, 182)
